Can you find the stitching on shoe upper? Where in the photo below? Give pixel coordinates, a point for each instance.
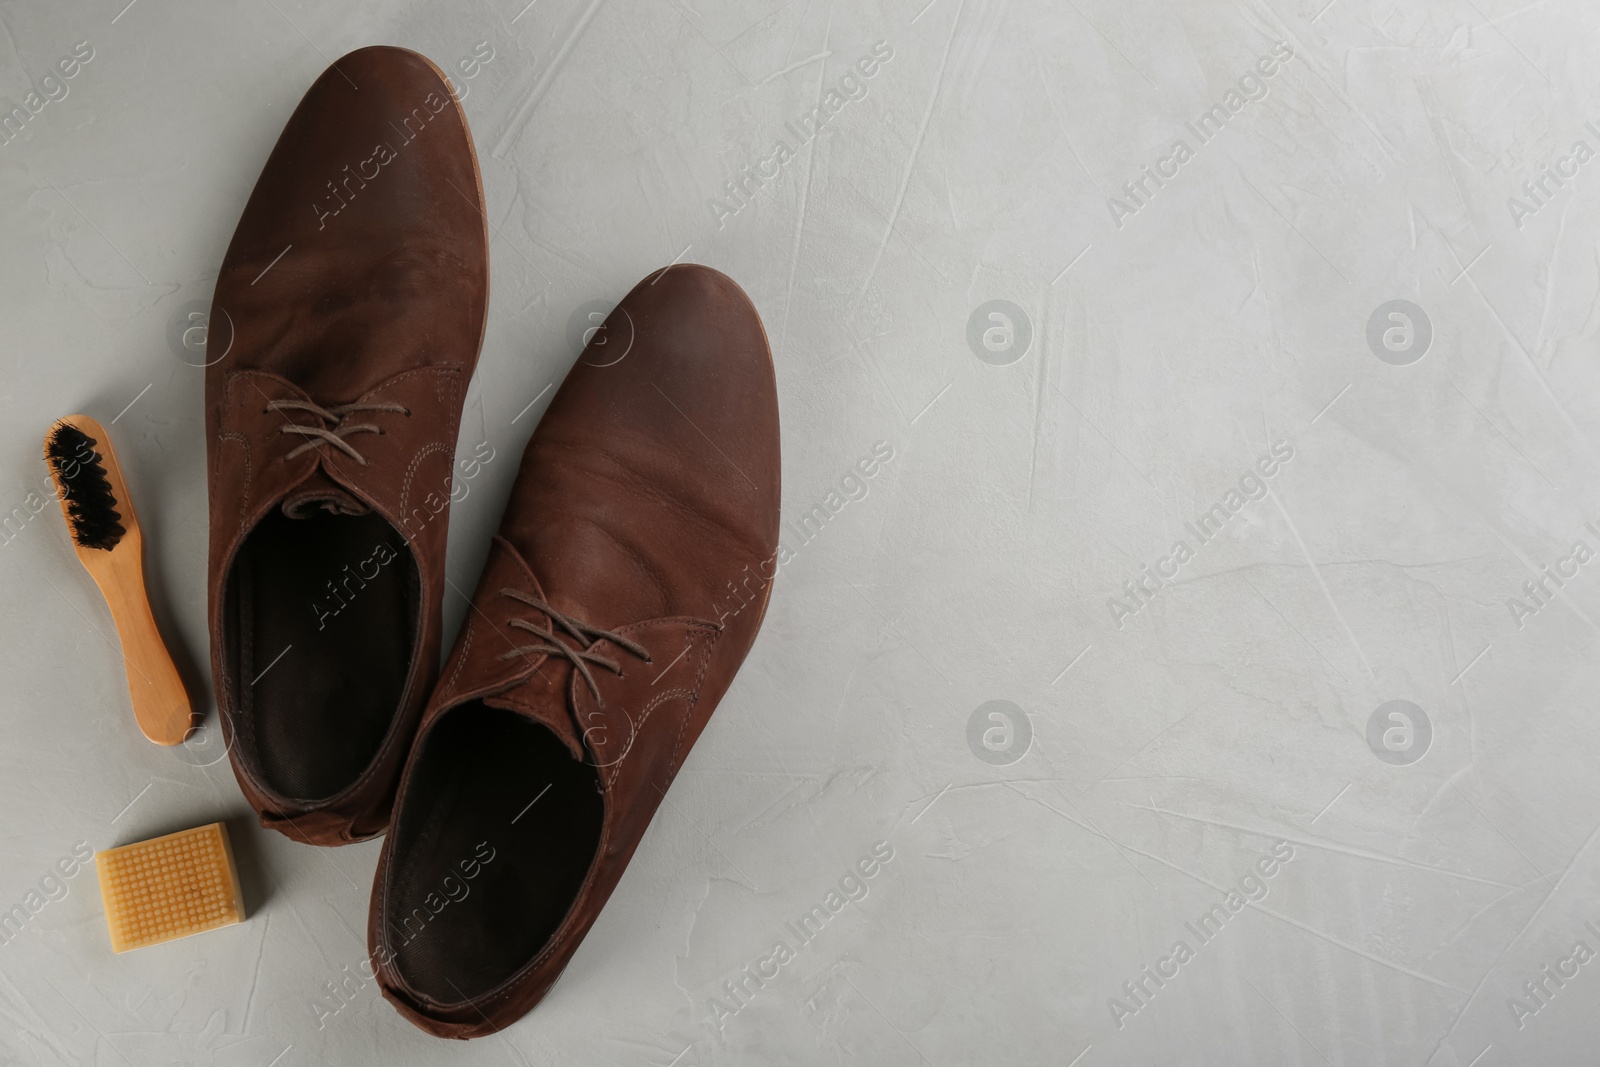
(411, 470)
(461, 661)
(694, 701)
(644, 717)
(444, 373)
(249, 471)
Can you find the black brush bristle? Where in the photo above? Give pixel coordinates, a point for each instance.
(92, 515)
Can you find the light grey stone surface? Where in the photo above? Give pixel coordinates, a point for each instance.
(1045, 850)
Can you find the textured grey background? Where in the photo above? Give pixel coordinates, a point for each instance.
(1147, 759)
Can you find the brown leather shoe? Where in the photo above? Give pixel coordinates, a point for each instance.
(628, 581)
(356, 287)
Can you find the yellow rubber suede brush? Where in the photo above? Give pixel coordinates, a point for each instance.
(105, 532)
(169, 887)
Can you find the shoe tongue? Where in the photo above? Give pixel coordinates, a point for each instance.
(543, 695)
(543, 698)
(320, 493)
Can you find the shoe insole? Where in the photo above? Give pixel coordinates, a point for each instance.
(324, 615)
(498, 830)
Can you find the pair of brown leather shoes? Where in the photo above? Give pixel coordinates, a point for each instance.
(625, 586)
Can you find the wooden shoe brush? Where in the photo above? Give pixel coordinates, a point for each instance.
(105, 532)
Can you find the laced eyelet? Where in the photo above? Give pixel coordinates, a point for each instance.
(333, 428)
(579, 657)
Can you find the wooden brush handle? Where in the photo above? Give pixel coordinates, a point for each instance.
(160, 702)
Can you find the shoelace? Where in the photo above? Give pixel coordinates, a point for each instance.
(332, 416)
(582, 631)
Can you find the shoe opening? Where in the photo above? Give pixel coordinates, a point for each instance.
(494, 836)
(320, 627)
